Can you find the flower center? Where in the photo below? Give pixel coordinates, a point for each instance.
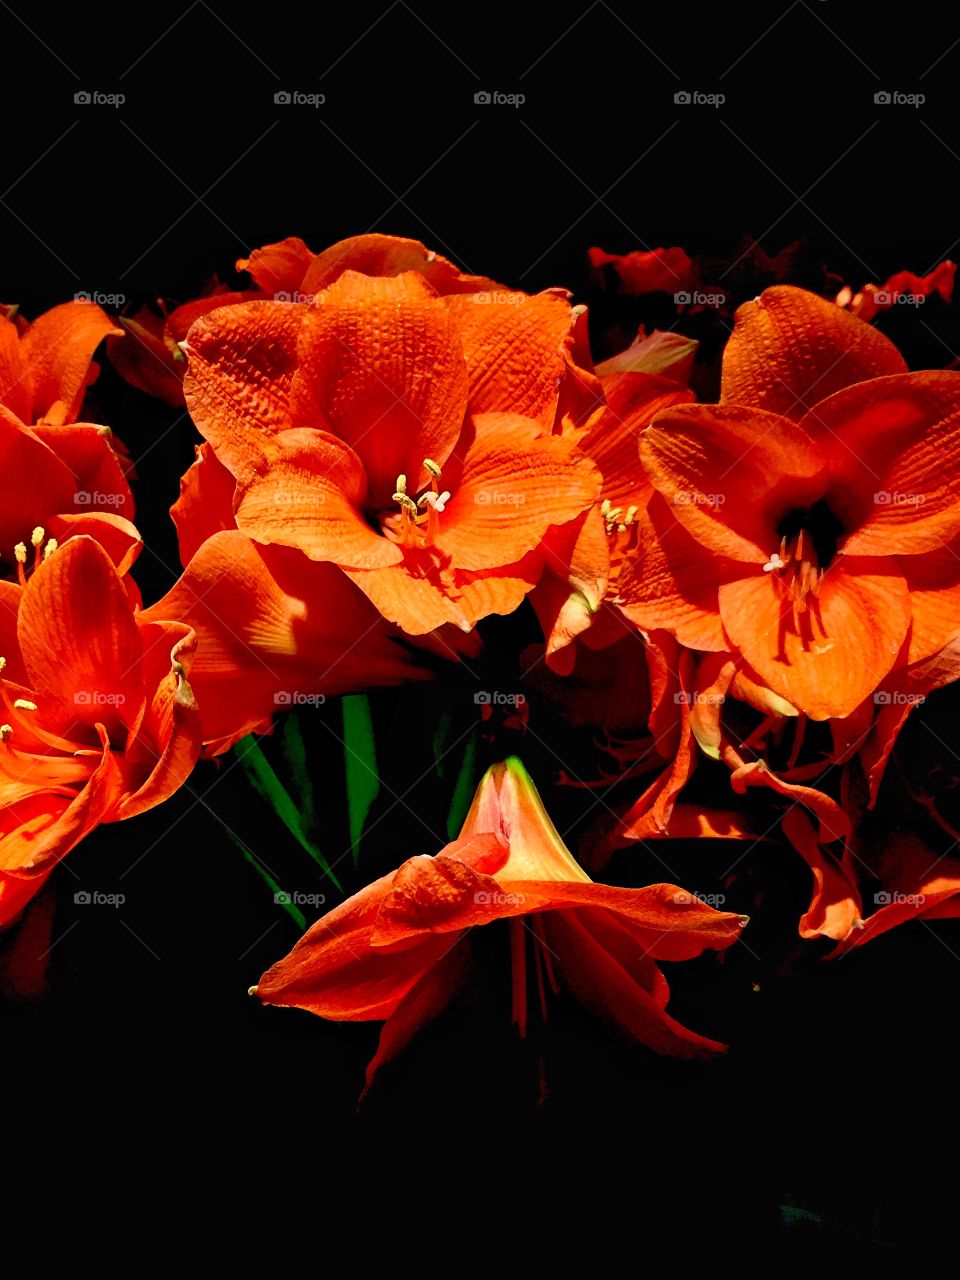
(418, 521)
(809, 539)
(40, 552)
(615, 519)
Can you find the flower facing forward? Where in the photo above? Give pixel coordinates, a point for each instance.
(809, 522)
(405, 436)
(99, 722)
(396, 951)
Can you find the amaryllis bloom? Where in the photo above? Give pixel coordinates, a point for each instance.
(274, 628)
(98, 720)
(397, 951)
(149, 355)
(56, 482)
(405, 436)
(648, 271)
(46, 366)
(804, 524)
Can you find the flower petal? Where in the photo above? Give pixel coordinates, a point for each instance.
(847, 640)
(378, 255)
(309, 498)
(790, 349)
(381, 367)
(516, 483)
(57, 350)
(730, 474)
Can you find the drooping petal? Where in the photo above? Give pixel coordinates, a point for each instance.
(335, 972)
(835, 907)
(98, 472)
(57, 349)
(790, 349)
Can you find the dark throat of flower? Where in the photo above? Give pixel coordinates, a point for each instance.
(809, 540)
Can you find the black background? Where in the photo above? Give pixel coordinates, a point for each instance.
(836, 1094)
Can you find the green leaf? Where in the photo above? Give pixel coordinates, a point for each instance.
(463, 789)
(295, 754)
(360, 765)
(280, 897)
(265, 782)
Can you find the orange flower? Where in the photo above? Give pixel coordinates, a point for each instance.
(99, 721)
(149, 355)
(391, 952)
(402, 435)
(46, 366)
(273, 628)
(805, 523)
(56, 482)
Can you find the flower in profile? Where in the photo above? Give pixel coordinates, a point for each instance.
(904, 286)
(396, 952)
(808, 523)
(99, 722)
(647, 271)
(405, 436)
(47, 365)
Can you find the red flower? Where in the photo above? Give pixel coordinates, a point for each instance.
(872, 299)
(804, 523)
(403, 436)
(100, 723)
(391, 953)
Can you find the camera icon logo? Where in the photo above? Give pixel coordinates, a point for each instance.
(482, 699)
(82, 698)
(82, 898)
(282, 98)
(682, 98)
(282, 698)
(482, 98)
(282, 899)
(82, 98)
(882, 98)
